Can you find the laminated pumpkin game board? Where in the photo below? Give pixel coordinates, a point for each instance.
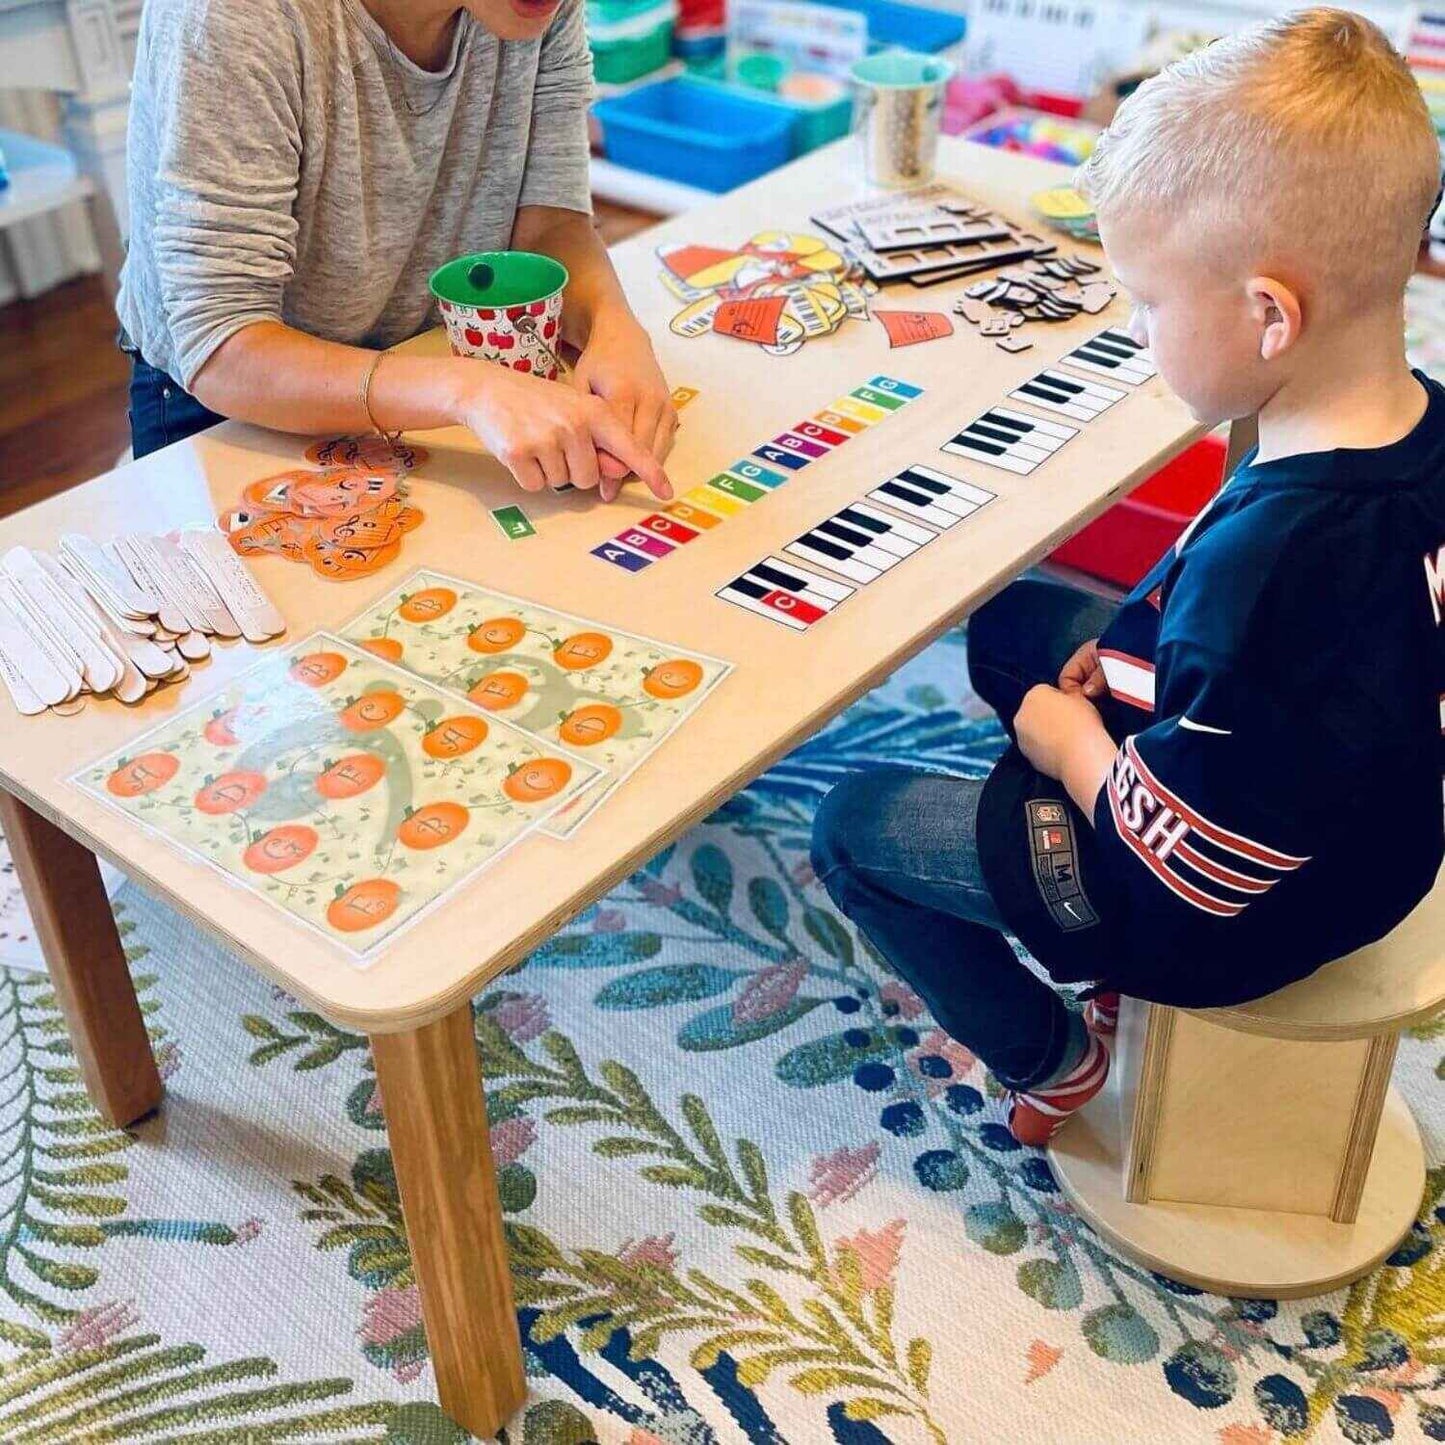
(342, 790)
(607, 695)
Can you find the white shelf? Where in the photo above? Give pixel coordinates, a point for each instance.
(43, 177)
(625, 187)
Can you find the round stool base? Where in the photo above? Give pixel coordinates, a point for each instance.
(1254, 1253)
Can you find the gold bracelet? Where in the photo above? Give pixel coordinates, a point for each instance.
(392, 437)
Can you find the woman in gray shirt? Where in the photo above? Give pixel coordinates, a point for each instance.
(298, 168)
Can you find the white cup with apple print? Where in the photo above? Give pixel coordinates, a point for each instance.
(504, 306)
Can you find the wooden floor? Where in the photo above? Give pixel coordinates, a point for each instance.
(63, 383)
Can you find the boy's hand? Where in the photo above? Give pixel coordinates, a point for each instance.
(547, 435)
(1063, 736)
(618, 365)
(1084, 673)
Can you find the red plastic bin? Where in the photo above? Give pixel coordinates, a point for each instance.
(1123, 544)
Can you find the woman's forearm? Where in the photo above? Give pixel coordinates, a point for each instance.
(281, 378)
(593, 290)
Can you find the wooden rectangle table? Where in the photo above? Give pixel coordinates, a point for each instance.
(414, 999)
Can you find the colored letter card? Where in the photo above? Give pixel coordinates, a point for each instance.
(341, 789)
(605, 694)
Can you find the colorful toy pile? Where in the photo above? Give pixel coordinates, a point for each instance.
(345, 520)
(778, 289)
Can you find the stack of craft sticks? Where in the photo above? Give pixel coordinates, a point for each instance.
(120, 617)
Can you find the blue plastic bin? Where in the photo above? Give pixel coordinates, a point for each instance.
(891, 22)
(692, 132)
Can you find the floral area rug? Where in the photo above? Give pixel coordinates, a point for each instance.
(753, 1195)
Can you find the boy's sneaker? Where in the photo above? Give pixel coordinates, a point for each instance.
(1101, 1014)
(1035, 1117)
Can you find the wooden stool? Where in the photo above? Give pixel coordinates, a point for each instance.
(1260, 1150)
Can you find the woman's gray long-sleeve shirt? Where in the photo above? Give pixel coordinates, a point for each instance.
(287, 164)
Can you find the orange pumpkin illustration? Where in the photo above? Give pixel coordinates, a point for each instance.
(353, 775)
(230, 792)
(433, 825)
(386, 648)
(364, 905)
(428, 604)
(220, 730)
(676, 678)
(586, 726)
(453, 736)
(581, 650)
(373, 710)
(281, 848)
(316, 669)
(142, 775)
(496, 634)
(538, 780)
(498, 690)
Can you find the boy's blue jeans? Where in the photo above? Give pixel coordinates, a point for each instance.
(895, 849)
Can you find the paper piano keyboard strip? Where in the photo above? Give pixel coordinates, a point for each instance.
(751, 479)
(1114, 356)
(1072, 396)
(784, 592)
(860, 542)
(930, 496)
(1010, 440)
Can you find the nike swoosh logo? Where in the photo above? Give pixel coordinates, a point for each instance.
(1069, 909)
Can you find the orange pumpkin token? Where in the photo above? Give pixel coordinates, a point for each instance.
(230, 792)
(582, 649)
(672, 679)
(453, 736)
(497, 634)
(433, 825)
(586, 726)
(281, 848)
(386, 648)
(142, 775)
(338, 562)
(364, 905)
(353, 775)
(538, 780)
(373, 710)
(316, 669)
(499, 690)
(427, 605)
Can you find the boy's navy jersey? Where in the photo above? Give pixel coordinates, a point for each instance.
(1277, 688)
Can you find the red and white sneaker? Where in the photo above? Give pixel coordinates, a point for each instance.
(1035, 1117)
(1101, 1014)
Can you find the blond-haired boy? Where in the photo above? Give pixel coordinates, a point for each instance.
(1233, 776)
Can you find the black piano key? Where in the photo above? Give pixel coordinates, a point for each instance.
(748, 587)
(993, 433)
(1042, 389)
(859, 520)
(914, 499)
(1009, 423)
(831, 528)
(928, 484)
(779, 579)
(963, 439)
(827, 548)
(1112, 348)
(1059, 383)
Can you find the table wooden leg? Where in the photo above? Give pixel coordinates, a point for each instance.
(431, 1093)
(87, 964)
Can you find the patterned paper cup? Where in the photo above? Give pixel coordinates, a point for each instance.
(504, 306)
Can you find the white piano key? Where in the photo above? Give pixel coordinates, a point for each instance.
(860, 542)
